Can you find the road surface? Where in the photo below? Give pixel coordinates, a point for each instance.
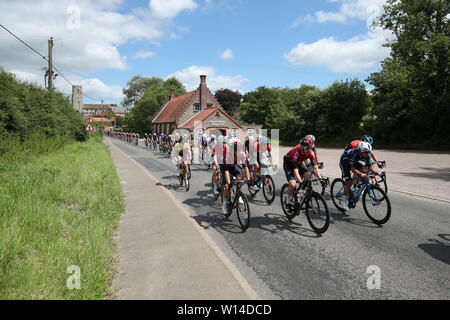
(287, 260)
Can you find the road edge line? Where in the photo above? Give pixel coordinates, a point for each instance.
(230, 266)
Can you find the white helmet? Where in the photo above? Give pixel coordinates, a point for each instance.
(312, 138)
(364, 147)
(213, 137)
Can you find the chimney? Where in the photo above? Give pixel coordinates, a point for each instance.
(203, 92)
(171, 94)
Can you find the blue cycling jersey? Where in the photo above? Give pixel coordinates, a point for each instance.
(353, 159)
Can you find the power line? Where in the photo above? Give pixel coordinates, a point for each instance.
(22, 41)
(45, 58)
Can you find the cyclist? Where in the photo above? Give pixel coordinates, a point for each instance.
(214, 164)
(354, 161)
(262, 154)
(181, 153)
(295, 166)
(227, 160)
(313, 138)
(365, 138)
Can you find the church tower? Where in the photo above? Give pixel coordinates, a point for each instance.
(77, 98)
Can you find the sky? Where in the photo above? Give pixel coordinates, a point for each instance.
(238, 44)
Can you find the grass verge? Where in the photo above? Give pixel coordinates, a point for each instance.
(57, 210)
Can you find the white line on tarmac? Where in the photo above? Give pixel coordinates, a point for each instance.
(234, 271)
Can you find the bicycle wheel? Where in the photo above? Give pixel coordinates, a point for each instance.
(317, 213)
(243, 211)
(268, 189)
(382, 183)
(337, 192)
(377, 205)
(230, 201)
(289, 211)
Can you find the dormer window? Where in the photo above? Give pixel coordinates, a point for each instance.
(197, 107)
(209, 105)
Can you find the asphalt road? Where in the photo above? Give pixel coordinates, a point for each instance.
(287, 260)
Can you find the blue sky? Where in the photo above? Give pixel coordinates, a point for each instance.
(269, 43)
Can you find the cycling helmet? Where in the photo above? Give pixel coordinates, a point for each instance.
(220, 139)
(364, 147)
(306, 142)
(367, 139)
(312, 138)
(213, 137)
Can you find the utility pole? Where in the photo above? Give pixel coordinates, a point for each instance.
(50, 64)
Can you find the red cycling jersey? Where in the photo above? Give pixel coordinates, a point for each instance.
(265, 147)
(295, 155)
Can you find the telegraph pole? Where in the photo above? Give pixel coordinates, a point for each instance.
(50, 64)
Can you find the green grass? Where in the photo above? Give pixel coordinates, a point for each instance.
(58, 209)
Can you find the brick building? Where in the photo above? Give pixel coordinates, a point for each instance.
(199, 112)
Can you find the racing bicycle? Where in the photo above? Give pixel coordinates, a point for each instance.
(376, 203)
(309, 201)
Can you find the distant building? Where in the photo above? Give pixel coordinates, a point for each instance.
(197, 111)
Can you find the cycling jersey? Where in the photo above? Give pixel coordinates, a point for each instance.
(351, 159)
(180, 148)
(295, 156)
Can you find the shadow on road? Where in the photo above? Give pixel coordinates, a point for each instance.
(438, 249)
(217, 221)
(280, 223)
(433, 173)
(336, 215)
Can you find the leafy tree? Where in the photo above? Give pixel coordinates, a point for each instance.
(341, 109)
(229, 100)
(136, 89)
(411, 92)
(140, 118)
(265, 106)
(26, 109)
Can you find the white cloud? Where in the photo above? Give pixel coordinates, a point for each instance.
(190, 78)
(322, 16)
(303, 20)
(87, 35)
(353, 55)
(167, 9)
(226, 55)
(141, 54)
(350, 9)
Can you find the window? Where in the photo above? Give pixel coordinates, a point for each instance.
(197, 107)
(209, 105)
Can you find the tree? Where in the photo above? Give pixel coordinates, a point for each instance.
(136, 89)
(140, 118)
(229, 100)
(411, 92)
(265, 106)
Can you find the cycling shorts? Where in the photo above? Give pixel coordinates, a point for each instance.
(232, 168)
(289, 170)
